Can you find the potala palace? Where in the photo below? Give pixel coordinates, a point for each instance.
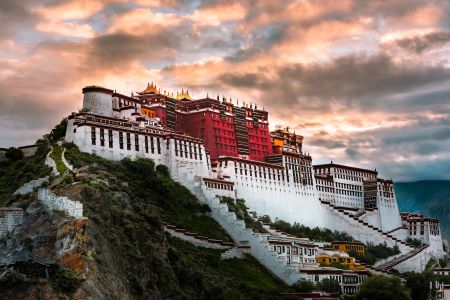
(216, 148)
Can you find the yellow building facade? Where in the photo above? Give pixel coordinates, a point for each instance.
(344, 246)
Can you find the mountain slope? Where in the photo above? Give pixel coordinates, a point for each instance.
(431, 198)
(122, 251)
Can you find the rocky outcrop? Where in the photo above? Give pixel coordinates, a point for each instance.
(31, 185)
(53, 202)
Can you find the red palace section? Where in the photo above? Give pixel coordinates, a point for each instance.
(226, 129)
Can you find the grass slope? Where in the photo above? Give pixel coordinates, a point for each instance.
(126, 203)
(14, 174)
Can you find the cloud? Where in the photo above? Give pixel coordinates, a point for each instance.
(66, 29)
(356, 81)
(141, 21)
(73, 9)
(421, 43)
(14, 16)
(366, 82)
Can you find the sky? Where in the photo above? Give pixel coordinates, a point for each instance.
(366, 82)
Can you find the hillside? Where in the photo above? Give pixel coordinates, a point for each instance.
(431, 198)
(121, 251)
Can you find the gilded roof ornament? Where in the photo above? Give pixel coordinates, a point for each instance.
(184, 95)
(151, 89)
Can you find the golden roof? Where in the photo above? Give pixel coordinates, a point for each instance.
(151, 88)
(184, 95)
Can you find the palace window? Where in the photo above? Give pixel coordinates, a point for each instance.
(110, 138)
(146, 144)
(128, 141)
(121, 139)
(102, 137)
(152, 145)
(176, 147)
(93, 136)
(136, 142)
(158, 145)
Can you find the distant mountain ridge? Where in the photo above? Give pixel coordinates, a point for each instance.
(428, 197)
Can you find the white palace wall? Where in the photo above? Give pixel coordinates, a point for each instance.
(389, 214)
(279, 199)
(165, 155)
(266, 195)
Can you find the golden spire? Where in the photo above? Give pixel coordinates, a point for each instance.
(151, 88)
(184, 95)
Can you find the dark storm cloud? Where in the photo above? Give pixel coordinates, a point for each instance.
(356, 81)
(14, 14)
(421, 43)
(120, 49)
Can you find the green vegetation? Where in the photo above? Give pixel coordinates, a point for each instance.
(304, 286)
(419, 283)
(383, 288)
(315, 234)
(240, 209)
(58, 132)
(65, 280)
(126, 203)
(375, 252)
(431, 263)
(14, 154)
(14, 174)
(202, 275)
(372, 252)
(56, 155)
(413, 242)
(326, 285)
(158, 196)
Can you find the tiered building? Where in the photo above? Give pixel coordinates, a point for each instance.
(225, 149)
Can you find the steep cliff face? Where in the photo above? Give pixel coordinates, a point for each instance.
(119, 250)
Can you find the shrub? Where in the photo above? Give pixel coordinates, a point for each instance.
(65, 280)
(329, 286)
(59, 131)
(414, 242)
(163, 170)
(383, 287)
(315, 234)
(265, 219)
(304, 286)
(14, 154)
(375, 252)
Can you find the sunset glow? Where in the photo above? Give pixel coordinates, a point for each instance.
(366, 82)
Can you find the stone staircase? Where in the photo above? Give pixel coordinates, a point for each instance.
(404, 248)
(256, 243)
(196, 239)
(398, 260)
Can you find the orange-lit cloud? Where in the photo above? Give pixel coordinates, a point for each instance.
(366, 82)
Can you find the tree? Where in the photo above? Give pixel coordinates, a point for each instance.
(419, 284)
(304, 286)
(329, 286)
(383, 288)
(59, 131)
(14, 154)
